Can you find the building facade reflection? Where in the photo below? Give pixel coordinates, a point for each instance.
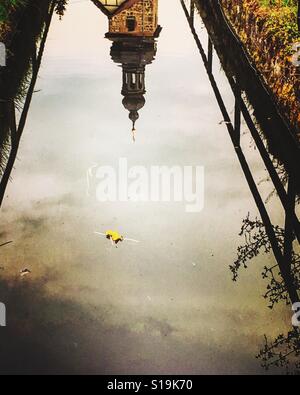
(133, 30)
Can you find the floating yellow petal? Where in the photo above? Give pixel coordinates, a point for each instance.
(115, 236)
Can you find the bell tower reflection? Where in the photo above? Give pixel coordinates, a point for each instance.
(133, 29)
(134, 55)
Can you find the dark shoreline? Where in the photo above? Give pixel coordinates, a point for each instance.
(281, 141)
(268, 44)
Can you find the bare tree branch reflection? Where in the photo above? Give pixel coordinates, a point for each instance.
(283, 352)
(256, 242)
(60, 7)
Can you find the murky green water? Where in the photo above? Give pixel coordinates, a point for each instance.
(168, 304)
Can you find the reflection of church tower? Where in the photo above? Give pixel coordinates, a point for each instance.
(133, 28)
(134, 55)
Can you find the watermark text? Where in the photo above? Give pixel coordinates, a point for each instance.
(296, 55)
(148, 184)
(2, 55)
(2, 314)
(296, 316)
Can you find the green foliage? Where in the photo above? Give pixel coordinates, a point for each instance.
(282, 19)
(7, 6)
(279, 3)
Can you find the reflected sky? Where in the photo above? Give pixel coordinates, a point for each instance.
(139, 308)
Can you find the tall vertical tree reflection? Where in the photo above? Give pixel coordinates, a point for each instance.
(270, 136)
(25, 48)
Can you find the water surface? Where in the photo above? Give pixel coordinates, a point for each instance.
(164, 306)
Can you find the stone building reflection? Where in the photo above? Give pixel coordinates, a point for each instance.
(133, 29)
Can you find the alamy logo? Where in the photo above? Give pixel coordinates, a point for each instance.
(296, 316)
(296, 55)
(2, 314)
(2, 55)
(148, 184)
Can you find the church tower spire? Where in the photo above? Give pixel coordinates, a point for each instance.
(133, 29)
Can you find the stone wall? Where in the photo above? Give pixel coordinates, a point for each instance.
(145, 14)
